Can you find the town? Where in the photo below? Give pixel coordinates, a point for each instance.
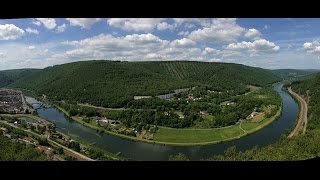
(13, 102)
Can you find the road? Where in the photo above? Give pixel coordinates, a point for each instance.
(110, 109)
(70, 151)
(302, 119)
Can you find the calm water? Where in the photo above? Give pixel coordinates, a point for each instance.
(144, 151)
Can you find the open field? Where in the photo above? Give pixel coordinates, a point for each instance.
(210, 136)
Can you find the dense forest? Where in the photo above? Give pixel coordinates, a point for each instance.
(154, 111)
(9, 76)
(114, 83)
(301, 147)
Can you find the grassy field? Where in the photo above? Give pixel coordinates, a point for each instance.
(196, 135)
(209, 136)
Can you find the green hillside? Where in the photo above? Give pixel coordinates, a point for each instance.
(114, 83)
(9, 76)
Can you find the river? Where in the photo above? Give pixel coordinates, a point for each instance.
(144, 151)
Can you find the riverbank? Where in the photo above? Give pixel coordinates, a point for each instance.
(302, 118)
(190, 137)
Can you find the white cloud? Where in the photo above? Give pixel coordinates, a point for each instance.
(312, 47)
(215, 60)
(31, 47)
(49, 23)
(253, 34)
(84, 23)
(190, 22)
(165, 26)
(20, 55)
(10, 32)
(32, 31)
(220, 31)
(255, 47)
(61, 28)
(37, 23)
(182, 43)
(130, 47)
(209, 50)
(135, 24)
(189, 25)
(183, 33)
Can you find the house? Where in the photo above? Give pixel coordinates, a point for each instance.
(141, 97)
(252, 115)
(230, 103)
(204, 112)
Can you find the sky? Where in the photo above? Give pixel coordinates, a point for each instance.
(260, 42)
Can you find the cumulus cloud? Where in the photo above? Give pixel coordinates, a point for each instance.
(135, 24)
(130, 47)
(219, 31)
(32, 31)
(20, 55)
(190, 22)
(10, 32)
(182, 43)
(312, 47)
(255, 47)
(253, 34)
(31, 47)
(61, 28)
(165, 26)
(37, 23)
(183, 33)
(84, 23)
(209, 50)
(49, 23)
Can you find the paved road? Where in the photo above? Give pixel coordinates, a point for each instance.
(303, 119)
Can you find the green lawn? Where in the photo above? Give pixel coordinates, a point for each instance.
(196, 135)
(209, 136)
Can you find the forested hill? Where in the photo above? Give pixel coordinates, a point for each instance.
(311, 88)
(9, 76)
(288, 73)
(114, 83)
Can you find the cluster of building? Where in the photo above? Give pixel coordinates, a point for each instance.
(104, 121)
(12, 101)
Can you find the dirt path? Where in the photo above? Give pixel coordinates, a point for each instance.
(302, 119)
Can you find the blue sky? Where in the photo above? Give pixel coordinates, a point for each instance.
(260, 42)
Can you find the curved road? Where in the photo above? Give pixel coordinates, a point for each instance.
(303, 119)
